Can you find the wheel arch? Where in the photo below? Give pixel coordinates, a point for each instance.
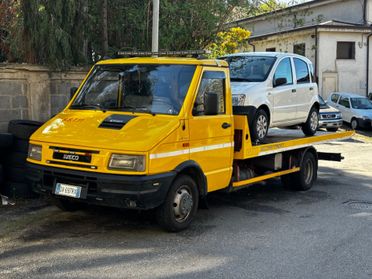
(193, 169)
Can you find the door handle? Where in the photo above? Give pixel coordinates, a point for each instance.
(269, 94)
(226, 125)
(294, 90)
(311, 88)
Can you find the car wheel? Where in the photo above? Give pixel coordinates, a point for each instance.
(260, 125)
(312, 123)
(354, 124)
(180, 205)
(332, 129)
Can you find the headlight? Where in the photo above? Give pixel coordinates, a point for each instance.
(127, 162)
(238, 99)
(34, 152)
(338, 115)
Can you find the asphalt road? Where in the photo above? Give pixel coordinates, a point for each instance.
(260, 232)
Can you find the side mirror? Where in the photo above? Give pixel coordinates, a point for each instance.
(211, 104)
(279, 81)
(72, 92)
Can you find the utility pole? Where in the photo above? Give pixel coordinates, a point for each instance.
(155, 26)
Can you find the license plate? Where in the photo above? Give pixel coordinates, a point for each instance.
(68, 190)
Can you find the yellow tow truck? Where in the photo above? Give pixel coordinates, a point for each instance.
(160, 133)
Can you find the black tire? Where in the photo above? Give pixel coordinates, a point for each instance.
(1, 176)
(312, 123)
(23, 129)
(16, 190)
(6, 140)
(354, 124)
(332, 129)
(20, 145)
(66, 205)
(180, 205)
(260, 126)
(304, 179)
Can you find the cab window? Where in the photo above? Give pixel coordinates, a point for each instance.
(284, 70)
(344, 102)
(302, 71)
(212, 82)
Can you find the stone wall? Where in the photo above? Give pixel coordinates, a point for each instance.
(34, 92)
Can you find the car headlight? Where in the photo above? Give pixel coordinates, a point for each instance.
(34, 152)
(127, 162)
(238, 99)
(338, 115)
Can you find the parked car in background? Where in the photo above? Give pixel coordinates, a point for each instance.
(356, 110)
(329, 117)
(274, 90)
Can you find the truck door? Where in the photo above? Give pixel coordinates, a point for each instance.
(211, 136)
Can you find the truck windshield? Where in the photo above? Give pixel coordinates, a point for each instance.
(136, 88)
(361, 103)
(250, 68)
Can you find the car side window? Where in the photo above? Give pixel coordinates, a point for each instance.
(212, 82)
(344, 101)
(334, 98)
(302, 71)
(284, 70)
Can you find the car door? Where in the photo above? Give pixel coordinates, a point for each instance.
(344, 107)
(283, 94)
(304, 87)
(211, 136)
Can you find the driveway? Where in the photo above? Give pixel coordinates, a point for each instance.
(260, 232)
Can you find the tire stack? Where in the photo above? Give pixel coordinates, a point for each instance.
(14, 166)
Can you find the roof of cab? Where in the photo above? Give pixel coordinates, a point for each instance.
(165, 60)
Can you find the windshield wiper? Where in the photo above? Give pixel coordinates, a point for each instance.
(133, 109)
(240, 79)
(86, 106)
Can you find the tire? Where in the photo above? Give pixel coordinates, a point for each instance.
(23, 129)
(332, 129)
(16, 174)
(6, 140)
(312, 123)
(16, 190)
(20, 145)
(354, 124)
(1, 176)
(304, 179)
(16, 159)
(260, 126)
(180, 205)
(66, 205)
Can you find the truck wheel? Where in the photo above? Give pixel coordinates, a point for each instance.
(354, 124)
(312, 123)
(180, 205)
(304, 179)
(260, 125)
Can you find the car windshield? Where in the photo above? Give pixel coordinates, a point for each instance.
(322, 103)
(250, 68)
(361, 103)
(136, 88)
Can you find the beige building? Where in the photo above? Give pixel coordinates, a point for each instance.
(334, 34)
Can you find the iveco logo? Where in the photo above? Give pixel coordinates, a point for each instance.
(71, 157)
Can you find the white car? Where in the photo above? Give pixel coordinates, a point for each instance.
(356, 110)
(330, 118)
(274, 90)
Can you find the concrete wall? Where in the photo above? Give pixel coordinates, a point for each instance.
(34, 92)
(347, 75)
(312, 14)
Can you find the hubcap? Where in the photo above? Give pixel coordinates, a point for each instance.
(261, 126)
(309, 172)
(354, 124)
(182, 203)
(314, 121)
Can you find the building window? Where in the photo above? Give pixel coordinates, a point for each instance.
(345, 50)
(299, 49)
(271, 49)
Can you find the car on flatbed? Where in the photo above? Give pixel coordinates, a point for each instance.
(275, 90)
(159, 133)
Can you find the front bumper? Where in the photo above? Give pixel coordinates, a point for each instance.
(121, 191)
(330, 123)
